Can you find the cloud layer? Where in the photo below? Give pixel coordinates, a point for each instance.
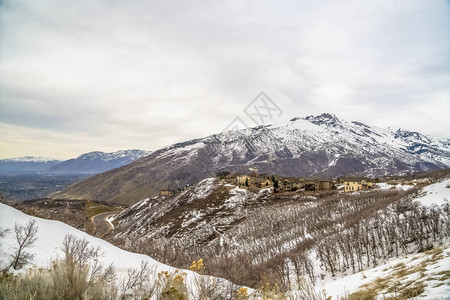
(77, 76)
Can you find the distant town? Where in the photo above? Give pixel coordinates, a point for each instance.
(256, 182)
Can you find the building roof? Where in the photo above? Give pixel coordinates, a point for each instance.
(259, 180)
(357, 179)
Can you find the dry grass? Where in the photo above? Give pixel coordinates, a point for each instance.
(444, 275)
(413, 290)
(364, 294)
(92, 208)
(399, 266)
(395, 283)
(436, 254)
(402, 272)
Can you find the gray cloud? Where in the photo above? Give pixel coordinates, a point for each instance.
(87, 75)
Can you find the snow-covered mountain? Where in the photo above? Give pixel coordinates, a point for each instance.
(36, 159)
(26, 165)
(323, 146)
(87, 163)
(97, 161)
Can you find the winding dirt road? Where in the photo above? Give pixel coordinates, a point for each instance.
(100, 222)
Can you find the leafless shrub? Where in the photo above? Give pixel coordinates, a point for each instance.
(25, 237)
(80, 272)
(205, 287)
(139, 283)
(78, 250)
(307, 291)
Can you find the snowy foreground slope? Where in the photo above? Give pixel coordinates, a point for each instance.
(51, 235)
(435, 194)
(426, 268)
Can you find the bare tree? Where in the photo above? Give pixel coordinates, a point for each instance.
(138, 282)
(79, 250)
(80, 272)
(26, 236)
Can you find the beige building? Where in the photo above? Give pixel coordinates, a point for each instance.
(325, 185)
(260, 182)
(166, 193)
(357, 184)
(243, 180)
(286, 185)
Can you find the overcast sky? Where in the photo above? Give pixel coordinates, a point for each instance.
(78, 76)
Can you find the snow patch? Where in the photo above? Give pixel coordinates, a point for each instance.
(204, 188)
(239, 198)
(435, 194)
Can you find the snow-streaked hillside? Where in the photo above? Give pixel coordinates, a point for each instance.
(227, 224)
(323, 146)
(202, 211)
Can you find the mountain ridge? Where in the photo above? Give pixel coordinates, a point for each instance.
(26, 165)
(322, 146)
(97, 161)
(87, 163)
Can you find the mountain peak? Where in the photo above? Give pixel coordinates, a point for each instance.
(411, 135)
(328, 119)
(90, 155)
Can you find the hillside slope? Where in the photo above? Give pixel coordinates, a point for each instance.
(312, 146)
(248, 237)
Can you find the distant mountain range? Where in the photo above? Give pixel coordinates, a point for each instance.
(323, 146)
(88, 163)
(26, 165)
(97, 162)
